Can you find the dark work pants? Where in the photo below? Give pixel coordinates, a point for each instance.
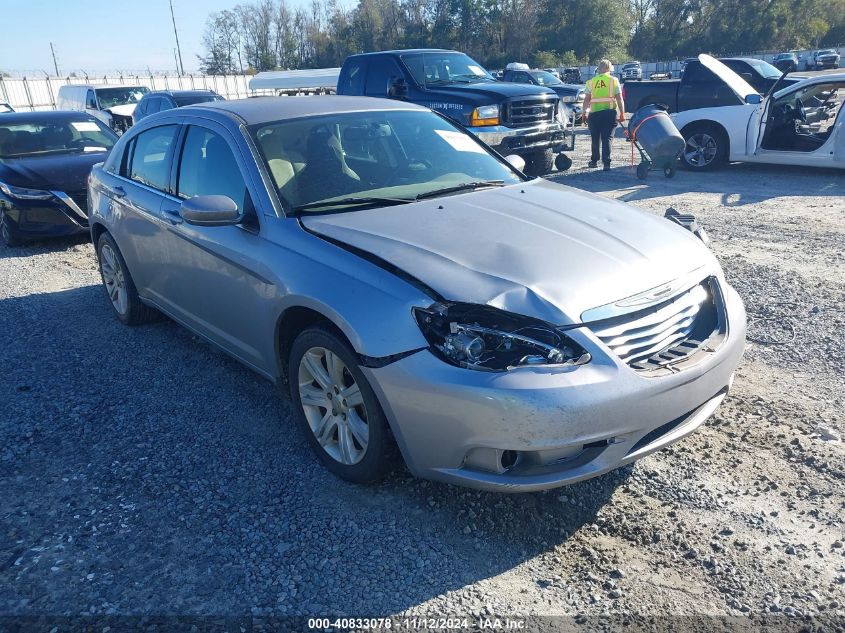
(601, 126)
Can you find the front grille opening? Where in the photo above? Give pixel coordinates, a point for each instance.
(668, 333)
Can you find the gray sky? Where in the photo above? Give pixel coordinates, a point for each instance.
(98, 36)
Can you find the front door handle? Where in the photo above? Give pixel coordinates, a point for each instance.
(172, 216)
(118, 192)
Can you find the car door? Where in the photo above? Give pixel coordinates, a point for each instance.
(216, 283)
(820, 140)
(144, 178)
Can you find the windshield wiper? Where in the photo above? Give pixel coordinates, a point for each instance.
(346, 202)
(462, 187)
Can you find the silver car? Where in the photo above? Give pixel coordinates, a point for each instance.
(415, 290)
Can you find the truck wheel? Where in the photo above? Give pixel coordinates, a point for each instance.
(9, 238)
(540, 163)
(706, 148)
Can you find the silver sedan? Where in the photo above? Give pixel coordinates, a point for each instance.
(418, 295)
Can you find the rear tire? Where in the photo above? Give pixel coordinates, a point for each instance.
(540, 163)
(118, 284)
(706, 147)
(642, 171)
(336, 408)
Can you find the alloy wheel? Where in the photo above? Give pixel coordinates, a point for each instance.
(333, 405)
(114, 279)
(701, 149)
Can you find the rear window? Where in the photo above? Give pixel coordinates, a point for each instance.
(186, 100)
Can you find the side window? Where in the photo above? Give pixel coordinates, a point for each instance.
(352, 82)
(522, 78)
(208, 167)
(379, 74)
(141, 108)
(165, 103)
(90, 100)
(148, 156)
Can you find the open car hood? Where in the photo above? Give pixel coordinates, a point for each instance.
(736, 83)
(536, 248)
(123, 110)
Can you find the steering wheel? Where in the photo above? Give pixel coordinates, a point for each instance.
(81, 142)
(800, 111)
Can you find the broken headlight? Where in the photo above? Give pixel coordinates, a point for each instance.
(488, 339)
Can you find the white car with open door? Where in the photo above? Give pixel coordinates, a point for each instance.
(801, 124)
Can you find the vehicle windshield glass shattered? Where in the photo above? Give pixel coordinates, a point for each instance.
(54, 137)
(350, 161)
(110, 97)
(546, 79)
(438, 69)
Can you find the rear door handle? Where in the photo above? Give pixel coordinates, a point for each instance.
(172, 216)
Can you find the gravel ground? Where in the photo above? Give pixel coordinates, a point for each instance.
(144, 473)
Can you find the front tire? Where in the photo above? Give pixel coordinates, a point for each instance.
(337, 409)
(706, 148)
(9, 238)
(118, 284)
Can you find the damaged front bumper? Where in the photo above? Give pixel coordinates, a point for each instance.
(535, 428)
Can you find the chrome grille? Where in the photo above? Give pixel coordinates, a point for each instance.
(526, 112)
(665, 333)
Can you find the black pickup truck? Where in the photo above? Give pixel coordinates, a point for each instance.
(511, 118)
(699, 87)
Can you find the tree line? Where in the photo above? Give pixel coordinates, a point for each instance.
(270, 34)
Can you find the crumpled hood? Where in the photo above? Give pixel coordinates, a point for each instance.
(62, 172)
(123, 110)
(536, 248)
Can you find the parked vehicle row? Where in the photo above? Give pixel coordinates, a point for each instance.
(417, 293)
(121, 106)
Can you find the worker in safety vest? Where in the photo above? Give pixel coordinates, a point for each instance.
(603, 106)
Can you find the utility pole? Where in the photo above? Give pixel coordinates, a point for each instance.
(176, 60)
(180, 67)
(55, 65)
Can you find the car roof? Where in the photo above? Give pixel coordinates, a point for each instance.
(46, 116)
(265, 109)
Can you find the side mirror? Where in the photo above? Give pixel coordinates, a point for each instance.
(753, 99)
(516, 161)
(397, 88)
(210, 211)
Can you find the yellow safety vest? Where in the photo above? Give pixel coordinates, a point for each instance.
(603, 93)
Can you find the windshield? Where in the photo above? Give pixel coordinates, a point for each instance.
(54, 137)
(186, 100)
(546, 79)
(110, 97)
(629, 66)
(437, 69)
(394, 156)
(827, 51)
